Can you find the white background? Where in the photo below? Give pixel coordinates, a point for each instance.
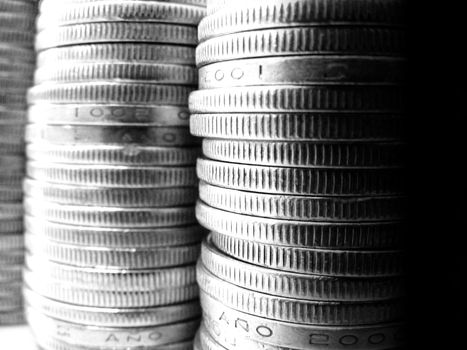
(16, 338)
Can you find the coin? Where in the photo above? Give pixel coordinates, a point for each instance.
(305, 181)
(306, 154)
(52, 344)
(226, 17)
(112, 114)
(91, 33)
(304, 208)
(112, 175)
(80, 295)
(227, 323)
(264, 99)
(116, 51)
(303, 70)
(102, 279)
(108, 317)
(112, 258)
(108, 196)
(141, 11)
(11, 242)
(311, 126)
(112, 154)
(109, 92)
(338, 263)
(296, 285)
(122, 71)
(110, 217)
(342, 40)
(120, 338)
(118, 237)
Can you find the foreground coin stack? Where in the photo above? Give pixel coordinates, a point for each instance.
(16, 72)
(111, 232)
(301, 183)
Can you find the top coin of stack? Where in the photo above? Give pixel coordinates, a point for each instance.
(110, 227)
(302, 184)
(16, 73)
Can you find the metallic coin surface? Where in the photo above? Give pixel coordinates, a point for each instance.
(121, 338)
(102, 279)
(265, 99)
(318, 40)
(108, 196)
(122, 71)
(303, 70)
(306, 181)
(304, 208)
(101, 32)
(227, 323)
(112, 258)
(110, 135)
(338, 263)
(109, 114)
(111, 317)
(306, 154)
(299, 126)
(109, 92)
(112, 154)
(112, 176)
(141, 11)
(128, 52)
(297, 285)
(118, 237)
(226, 17)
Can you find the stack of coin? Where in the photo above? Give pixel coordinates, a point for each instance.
(111, 232)
(17, 19)
(302, 181)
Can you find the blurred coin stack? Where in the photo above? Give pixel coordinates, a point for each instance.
(301, 183)
(17, 19)
(111, 232)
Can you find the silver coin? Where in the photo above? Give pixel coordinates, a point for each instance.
(133, 155)
(115, 70)
(225, 323)
(111, 317)
(110, 135)
(337, 263)
(95, 297)
(302, 181)
(297, 285)
(119, 338)
(118, 237)
(91, 33)
(307, 154)
(102, 279)
(109, 114)
(291, 98)
(112, 258)
(329, 40)
(108, 196)
(230, 17)
(109, 92)
(49, 343)
(126, 52)
(303, 70)
(304, 208)
(112, 175)
(142, 11)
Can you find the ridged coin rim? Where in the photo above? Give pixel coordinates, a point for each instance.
(333, 181)
(374, 41)
(296, 310)
(303, 208)
(331, 263)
